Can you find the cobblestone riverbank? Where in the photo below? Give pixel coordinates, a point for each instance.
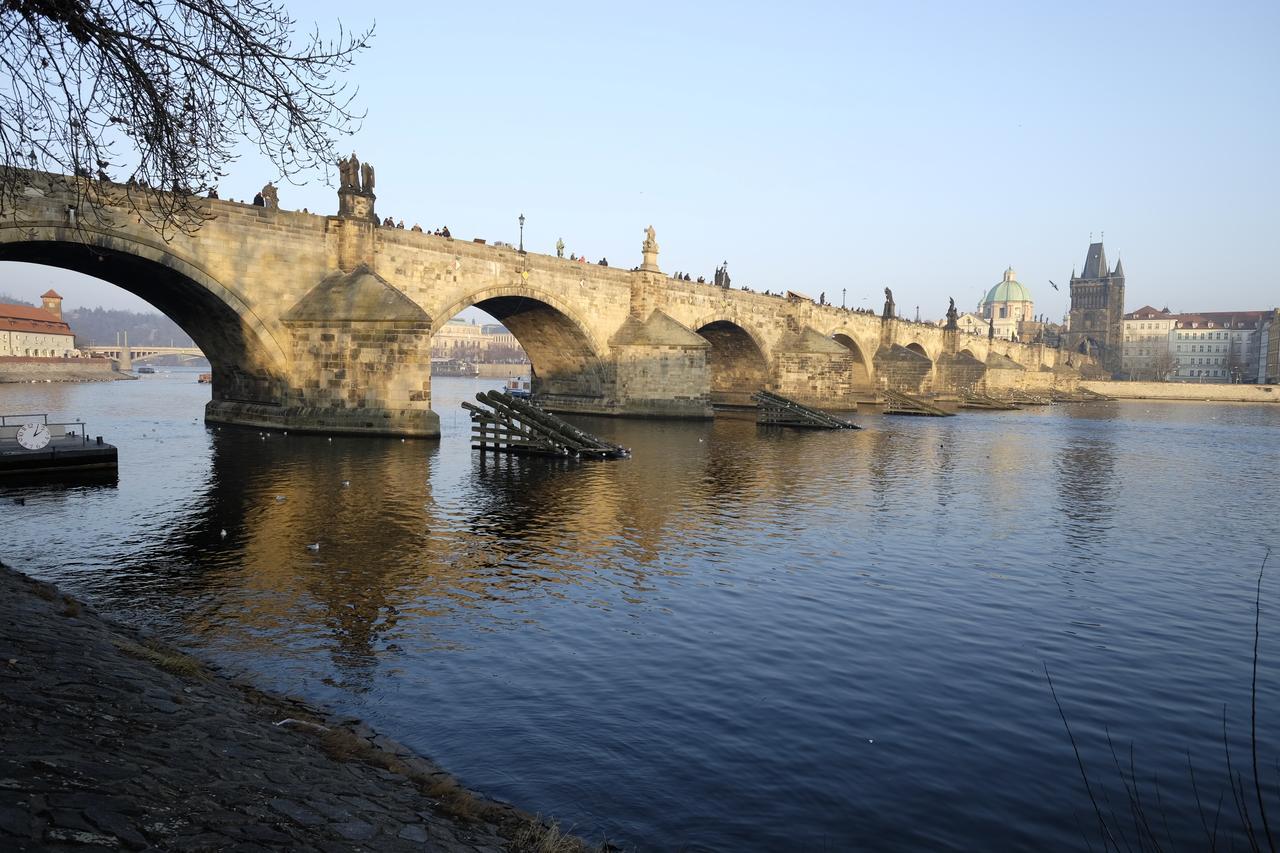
(113, 742)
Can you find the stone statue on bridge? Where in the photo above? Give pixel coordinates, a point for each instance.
(890, 310)
(270, 196)
(953, 317)
(353, 175)
(650, 241)
(355, 189)
(349, 173)
(649, 250)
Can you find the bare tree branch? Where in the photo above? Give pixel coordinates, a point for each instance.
(155, 94)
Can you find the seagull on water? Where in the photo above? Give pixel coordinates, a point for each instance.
(314, 546)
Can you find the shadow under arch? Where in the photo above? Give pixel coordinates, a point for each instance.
(565, 360)
(735, 361)
(907, 369)
(248, 363)
(918, 348)
(861, 370)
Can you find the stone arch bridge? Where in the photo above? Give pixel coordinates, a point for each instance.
(324, 323)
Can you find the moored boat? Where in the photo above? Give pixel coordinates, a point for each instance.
(518, 388)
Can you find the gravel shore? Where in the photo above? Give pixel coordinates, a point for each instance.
(111, 741)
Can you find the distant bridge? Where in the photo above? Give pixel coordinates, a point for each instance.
(146, 353)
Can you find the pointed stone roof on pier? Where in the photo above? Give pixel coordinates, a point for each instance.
(360, 295)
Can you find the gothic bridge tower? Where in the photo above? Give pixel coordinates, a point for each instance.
(1097, 310)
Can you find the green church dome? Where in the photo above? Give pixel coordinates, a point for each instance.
(1008, 290)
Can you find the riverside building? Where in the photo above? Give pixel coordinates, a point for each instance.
(1146, 353)
(1208, 346)
(27, 332)
(1217, 346)
(462, 340)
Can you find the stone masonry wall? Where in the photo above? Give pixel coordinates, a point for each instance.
(817, 379)
(367, 376)
(664, 380)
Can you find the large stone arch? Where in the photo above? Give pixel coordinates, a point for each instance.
(250, 365)
(862, 358)
(566, 361)
(736, 360)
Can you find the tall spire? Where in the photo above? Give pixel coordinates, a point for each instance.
(1119, 273)
(1095, 265)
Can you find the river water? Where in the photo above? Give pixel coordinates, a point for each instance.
(737, 639)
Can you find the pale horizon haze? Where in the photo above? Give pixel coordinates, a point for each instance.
(824, 146)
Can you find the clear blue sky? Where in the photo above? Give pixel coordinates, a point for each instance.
(821, 146)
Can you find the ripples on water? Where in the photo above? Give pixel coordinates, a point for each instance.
(736, 639)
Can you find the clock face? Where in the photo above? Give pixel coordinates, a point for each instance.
(33, 436)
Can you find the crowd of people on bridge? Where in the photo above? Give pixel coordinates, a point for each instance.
(721, 278)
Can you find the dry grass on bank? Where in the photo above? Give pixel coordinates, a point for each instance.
(162, 656)
(539, 837)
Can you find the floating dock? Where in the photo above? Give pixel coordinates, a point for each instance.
(33, 446)
(507, 424)
(777, 410)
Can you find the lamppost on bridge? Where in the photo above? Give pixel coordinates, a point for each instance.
(522, 232)
(842, 298)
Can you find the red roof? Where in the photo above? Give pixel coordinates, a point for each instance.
(24, 318)
(50, 294)
(1146, 312)
(1224, 319)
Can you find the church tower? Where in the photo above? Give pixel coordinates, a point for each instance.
(1097, 310)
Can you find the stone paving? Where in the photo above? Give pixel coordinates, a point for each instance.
(108, 742)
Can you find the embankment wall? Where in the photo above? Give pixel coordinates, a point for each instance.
(27, 369)
(1209, 392)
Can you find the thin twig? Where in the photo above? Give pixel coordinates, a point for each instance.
(1253, 705)
(1195, 789)
(1102, 823)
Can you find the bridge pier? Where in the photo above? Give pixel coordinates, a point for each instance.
(360, 362)
(660, 369)
(815, 370)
